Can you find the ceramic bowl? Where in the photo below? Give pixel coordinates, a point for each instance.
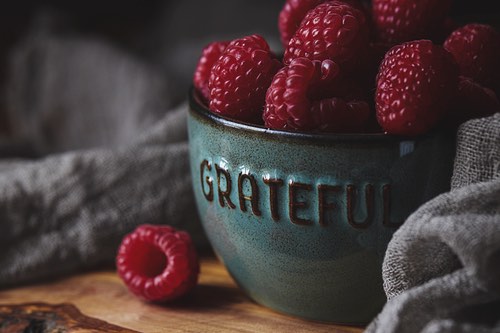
(302, 221)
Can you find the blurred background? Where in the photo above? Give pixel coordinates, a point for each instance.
(60, 60)
(165, 36)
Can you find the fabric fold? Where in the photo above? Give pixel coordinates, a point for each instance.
(111, 154)
(70, 211)
(441, 270)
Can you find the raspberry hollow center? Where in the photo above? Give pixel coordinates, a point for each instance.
(147, 260)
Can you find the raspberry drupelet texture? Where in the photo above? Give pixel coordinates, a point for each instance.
(310, 95)
(398, 21)
(294, 11)
(332, 30)
(416, 83)
(158, 263)
(476, 48)
(209, 56)
(240, 77)
(290, 16)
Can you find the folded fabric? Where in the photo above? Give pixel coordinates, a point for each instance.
(70, 211)
(112, 154)
(442, 267)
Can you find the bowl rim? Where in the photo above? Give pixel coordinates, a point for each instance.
(199, 109)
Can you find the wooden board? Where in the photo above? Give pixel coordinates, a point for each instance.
(99, 302)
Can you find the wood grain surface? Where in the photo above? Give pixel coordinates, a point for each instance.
(99, 302)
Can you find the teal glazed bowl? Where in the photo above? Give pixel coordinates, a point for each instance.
(302, 221)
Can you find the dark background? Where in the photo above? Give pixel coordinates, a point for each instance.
(166, 34)
(144, 26)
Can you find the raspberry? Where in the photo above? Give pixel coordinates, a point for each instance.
(476, 48)
(333, 30)
(398, 21)
(311, 95)
(158, 263)
(240, 77)
(209, 56)
(291, 15)
(472, 101)
(415, 86)
(294, 11)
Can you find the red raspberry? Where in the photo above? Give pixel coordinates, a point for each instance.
(294, 11)
(209, 56)
(333, 30)
(476, 48)
(158, 263)
(398, 21)
(472, 101)
(311, 95)
(291, 15)
(415, 86)
(240, 77)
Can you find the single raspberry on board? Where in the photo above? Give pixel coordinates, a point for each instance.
(294, 11)
(310, 95)
(209, 56)
(240, 77)
(158, 263)
(473, 101)
(332, 30)
(398, 21)
(476, 48)
(416, 83)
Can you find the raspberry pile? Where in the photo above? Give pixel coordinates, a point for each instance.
(415, 86)
(402, 67)
(158, 263)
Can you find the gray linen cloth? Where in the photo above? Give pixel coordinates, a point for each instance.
(114, 154)
(442, 267)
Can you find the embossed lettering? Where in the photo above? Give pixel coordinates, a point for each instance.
(224, 194)
(351, 205)
(274, 184)
(358, 201)
(386, 197)
(254, 198)
(210, 195)
(323, 190)
(294, 204)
